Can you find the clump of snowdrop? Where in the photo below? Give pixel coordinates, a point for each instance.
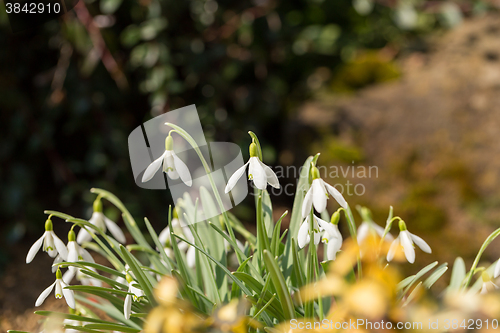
(172, 165)
(137, 294)
(102, 222)
(52, 244)
(60, 291)
(258, 172)
(318, 194)
(406, 240)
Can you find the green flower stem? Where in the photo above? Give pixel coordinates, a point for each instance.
(193, 144)
(262, 240)
(309, 311)
(487, 242)
(352, 230)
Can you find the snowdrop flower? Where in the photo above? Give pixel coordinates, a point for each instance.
(172, 165)
(333, 240)
(77, 253)
(260, 173)
(368, 227)
(51, 244)
(303, 236)
(497, 269)
(138, 293)
(318, 194)
(488, 285)
(406, 240)
(102, 222)
(60, 291)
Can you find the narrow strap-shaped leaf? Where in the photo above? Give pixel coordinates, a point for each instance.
(81, 329)
(112, 327)
(111, 310)
(104, 279)
(296, 217)
(429, 282)
(71, 317)
(158, 244)
(457, 274)
(90, 289)
(297, 266)
(262, 309)
(421, 273)
(412, 294)
(280, 285)
(224, 268)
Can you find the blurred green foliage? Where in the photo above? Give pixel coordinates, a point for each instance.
(72, 90)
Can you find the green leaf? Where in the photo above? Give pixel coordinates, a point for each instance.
(297, 265)
(224, 268)
(280, 285)
(417, 276)
(435, 275)
(296, 217)
(412, 294)
(112, 327)
(457, 275)
(158, 244)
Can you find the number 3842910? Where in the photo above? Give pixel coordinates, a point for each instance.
(32, 8)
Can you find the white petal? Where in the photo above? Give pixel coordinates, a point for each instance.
(191, 257)
(497, 269)
(57, 260)
(136, 291)
(97, 219)
(272, 179)
(182, 170)
(327, 226)
(336, 195)
(319, 195)
(334, 245)
(48, 244)
(83, 236)
(307, 203)
(420, 243)
(303, 234)
(68, 276)
(317, 238)
(235, 177)
(164, 236)
(34, 249)
(363, 232)
(258, 173)
(169, 165)
(393, 249)
(61, 248)
(44, 294)
(127, 306)
(115, 230)
(69, 296)
(152, 169)
(86, 255)
(407, 244)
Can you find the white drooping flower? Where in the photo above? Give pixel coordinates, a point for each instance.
(406, 240)
(172, 165)
(59, 284)
(102, 222)
(368, 227)
(138, 293)
(52, 244)
(488, 285)
(333, 240)
(318, 194)
(258, 172)
(497, 269)
(303, 237)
